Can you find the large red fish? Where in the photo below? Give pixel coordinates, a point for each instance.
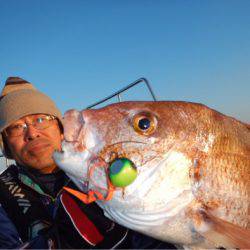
(188, 170)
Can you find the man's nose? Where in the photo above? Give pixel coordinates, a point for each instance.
(31, 132)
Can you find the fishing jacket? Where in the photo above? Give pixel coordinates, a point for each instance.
(36, 219)
(57, 222)
(9, 237)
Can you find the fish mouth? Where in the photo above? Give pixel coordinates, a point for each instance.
(85, 163)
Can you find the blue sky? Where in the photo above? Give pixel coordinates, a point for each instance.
(79, 51)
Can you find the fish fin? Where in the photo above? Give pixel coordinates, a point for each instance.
(224, 233)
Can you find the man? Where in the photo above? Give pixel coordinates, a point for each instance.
(31, 191)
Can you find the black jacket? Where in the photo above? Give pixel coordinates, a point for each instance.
(45, 219)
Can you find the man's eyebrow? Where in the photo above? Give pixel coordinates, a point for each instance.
(16, 123)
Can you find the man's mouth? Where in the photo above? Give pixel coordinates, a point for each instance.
(37, 146)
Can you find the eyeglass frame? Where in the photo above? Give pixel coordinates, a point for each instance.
(25, 125)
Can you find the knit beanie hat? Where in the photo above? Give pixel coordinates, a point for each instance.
(20, 98)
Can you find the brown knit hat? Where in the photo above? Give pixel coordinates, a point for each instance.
(18, 99)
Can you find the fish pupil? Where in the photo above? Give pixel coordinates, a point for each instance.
(144, 124)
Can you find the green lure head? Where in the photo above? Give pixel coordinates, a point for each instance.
(122, 172)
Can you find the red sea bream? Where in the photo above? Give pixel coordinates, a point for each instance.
(192, 186)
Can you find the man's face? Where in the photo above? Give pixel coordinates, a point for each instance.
(34, 147)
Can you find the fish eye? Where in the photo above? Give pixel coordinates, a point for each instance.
(144, 123)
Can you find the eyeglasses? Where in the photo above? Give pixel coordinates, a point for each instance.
(39, 123)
